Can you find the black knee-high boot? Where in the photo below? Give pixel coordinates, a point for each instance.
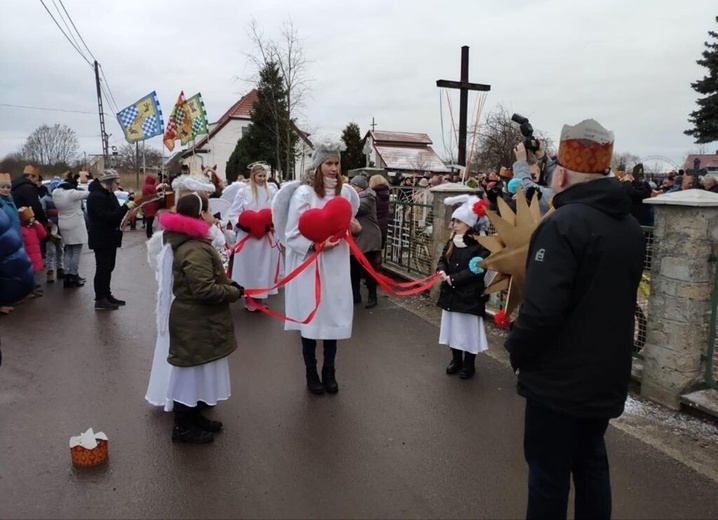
(457, 362)
(469, 369)
(185, 428)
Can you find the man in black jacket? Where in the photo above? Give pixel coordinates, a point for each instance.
(572, 342)
(25, 192)
(104, 234)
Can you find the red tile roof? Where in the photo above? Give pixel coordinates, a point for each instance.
(242, 109)
(707, 161)
(395, 138)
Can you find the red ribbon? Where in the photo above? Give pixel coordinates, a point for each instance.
(291, 276)
(408, 288)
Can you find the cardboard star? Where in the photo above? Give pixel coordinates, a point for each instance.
(510, 246)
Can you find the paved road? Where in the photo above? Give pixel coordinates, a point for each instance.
(400, 440)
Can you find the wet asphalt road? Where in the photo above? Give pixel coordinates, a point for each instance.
(401, 439)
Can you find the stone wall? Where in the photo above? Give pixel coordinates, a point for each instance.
(680, 303)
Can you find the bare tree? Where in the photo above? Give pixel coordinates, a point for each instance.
(129, 161)
(50, 145)
(289, 56)
(496, 140)
(624, 161)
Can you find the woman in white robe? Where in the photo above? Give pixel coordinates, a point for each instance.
(255, 265)
(333, 319)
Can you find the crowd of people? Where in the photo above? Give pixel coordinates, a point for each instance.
(218, 245)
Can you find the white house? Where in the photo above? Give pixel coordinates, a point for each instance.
(402, 152)
(218, 145)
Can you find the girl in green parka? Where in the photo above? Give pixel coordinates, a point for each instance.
(201, 332)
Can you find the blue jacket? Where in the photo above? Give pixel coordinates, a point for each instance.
(8, 206)
(17, 279)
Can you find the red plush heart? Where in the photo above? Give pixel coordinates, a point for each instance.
(256, 222)
(332, 220)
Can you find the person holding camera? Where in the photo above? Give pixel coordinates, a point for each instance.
(540, 186)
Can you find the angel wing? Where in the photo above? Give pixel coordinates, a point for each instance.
(230, 191)
(353, 197)
(280, 208)
(219, 206)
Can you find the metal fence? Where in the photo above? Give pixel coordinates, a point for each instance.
(408, 243)
(644, 293)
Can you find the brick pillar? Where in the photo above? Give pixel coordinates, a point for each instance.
(681, 283)
(442, 217)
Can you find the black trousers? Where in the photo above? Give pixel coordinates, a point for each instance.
(104, 265)
(148, 226)
(357, 272)
(557, 446)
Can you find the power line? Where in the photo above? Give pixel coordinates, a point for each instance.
(65, 35)
(108, 88)
(78, 32)
(49, 109)
(77, 44)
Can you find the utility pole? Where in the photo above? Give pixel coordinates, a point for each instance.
(464, 86)
(103, 134)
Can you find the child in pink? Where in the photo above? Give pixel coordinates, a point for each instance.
(32, 233)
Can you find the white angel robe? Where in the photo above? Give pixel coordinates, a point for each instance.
(255, 266)
(334, 316)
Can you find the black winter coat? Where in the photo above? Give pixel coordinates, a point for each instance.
(573, 339)
(638, 191)
(105, 215)
(26, 193)
(465, 294)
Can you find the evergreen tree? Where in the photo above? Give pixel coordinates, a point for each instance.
(265, 138)
(353, 156)
(705, 119)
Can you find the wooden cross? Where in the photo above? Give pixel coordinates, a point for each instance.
(464, 86)
(373, 124)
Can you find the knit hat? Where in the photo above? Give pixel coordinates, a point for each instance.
(107, 175)
(423, 183)
(326, 148)
(359, 181)
(467, 212)
(586, 148)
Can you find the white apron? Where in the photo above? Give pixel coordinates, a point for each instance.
(334, 317)
(255, 266)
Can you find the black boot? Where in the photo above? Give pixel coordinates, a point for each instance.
(68, 282)
(206, 424)
(456, 362)
(185, 429)
(371, 301)
(468, 371)
(329, 380)
(314, 385)
(79, 282)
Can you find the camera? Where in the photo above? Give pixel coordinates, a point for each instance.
(530, 142)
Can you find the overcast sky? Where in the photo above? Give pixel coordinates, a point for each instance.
(627, 64)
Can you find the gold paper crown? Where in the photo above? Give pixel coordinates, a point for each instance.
(586, 148)
(5, 177)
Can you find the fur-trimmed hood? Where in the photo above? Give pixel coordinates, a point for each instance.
(192, 227)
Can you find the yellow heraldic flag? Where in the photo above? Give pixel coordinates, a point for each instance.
(142, 119)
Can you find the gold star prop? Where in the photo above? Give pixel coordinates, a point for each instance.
(510, 246)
